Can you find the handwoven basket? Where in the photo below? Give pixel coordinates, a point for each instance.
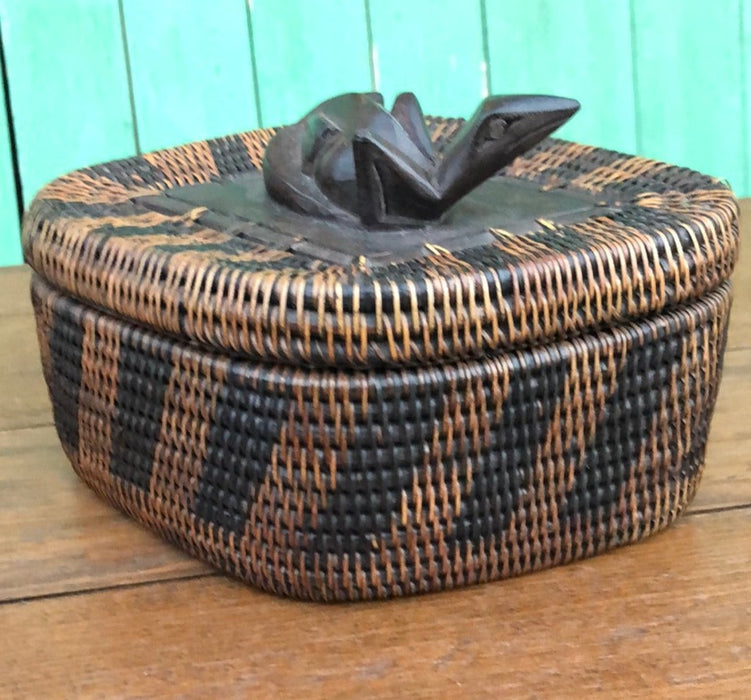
(342, 430)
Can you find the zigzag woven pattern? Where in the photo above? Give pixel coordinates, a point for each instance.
(347, 432)
(333, 485)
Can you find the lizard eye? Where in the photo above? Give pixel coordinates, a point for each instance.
(491, 131)
(496, 129)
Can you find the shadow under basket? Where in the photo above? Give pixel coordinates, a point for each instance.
(334, 420)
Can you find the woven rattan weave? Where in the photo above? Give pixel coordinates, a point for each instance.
(351, 428)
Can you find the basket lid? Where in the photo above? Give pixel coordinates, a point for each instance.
(563, 239)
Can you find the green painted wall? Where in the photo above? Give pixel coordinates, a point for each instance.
(10, 245)
(92, 80)
(68, 85)
(190, 80)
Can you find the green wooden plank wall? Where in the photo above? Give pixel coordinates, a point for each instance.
(307, 51)
(92, 80)
(578, 48)
(191, 69)
(432, 48)
(10, 245)
(693, 115)
(68, 86)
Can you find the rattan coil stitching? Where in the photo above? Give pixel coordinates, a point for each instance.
(328, 485)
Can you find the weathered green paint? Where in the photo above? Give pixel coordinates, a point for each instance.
(689, 93)
(432, 48)
(68, 86)
(307, 51)
(575, 48)
(10, 240)
(191, 69)
(744, 188)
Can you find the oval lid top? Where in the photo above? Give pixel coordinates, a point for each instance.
(186, 241)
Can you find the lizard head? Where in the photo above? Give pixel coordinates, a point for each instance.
(511, 124)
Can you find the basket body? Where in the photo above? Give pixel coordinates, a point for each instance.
(370, 445)
(329, 485)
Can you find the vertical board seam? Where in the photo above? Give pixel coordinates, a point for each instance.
(129, 76)
(12, 144)
(486, 46)
(253, 63)
(638, 136)
(369, 32)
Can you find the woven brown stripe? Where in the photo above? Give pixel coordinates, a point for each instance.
(332, 485)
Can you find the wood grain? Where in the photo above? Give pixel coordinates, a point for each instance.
(64, 537)
(15, 299)
(744, 138)
(669, 617)
(739, 335)
(25, 399)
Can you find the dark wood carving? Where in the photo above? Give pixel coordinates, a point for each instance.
(352, 159)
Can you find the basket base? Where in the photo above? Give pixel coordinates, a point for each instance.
(344, 485)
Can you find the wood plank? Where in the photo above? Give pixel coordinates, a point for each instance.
(306, 52)
(68, 86)
(727, 476)
(729, 424)
(669, 617)
(14, 291)
(62, 536)
(745, 148)
(191, 70)
(739, 335)
(572, 48)
(10, 234)
(432, 48)
(25, 399)
(688, 72)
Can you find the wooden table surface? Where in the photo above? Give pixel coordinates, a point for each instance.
(92, 604)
